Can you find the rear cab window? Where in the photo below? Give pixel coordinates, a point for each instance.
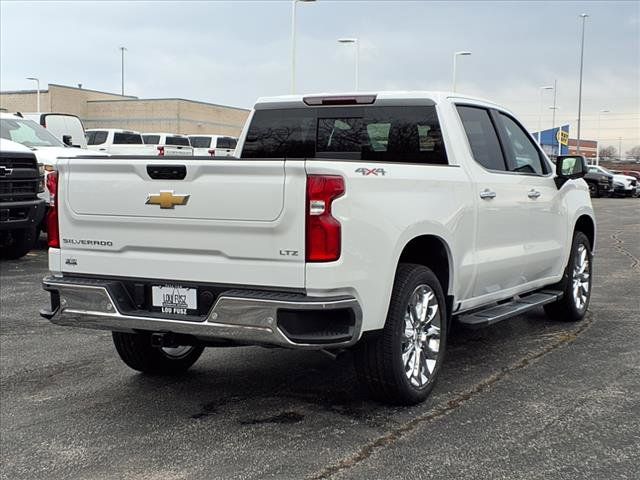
(226, 142)
(482, 137)
(180, 141)
(127, 138)
(200, 142)
(375, 133)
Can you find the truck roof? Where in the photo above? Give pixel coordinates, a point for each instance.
(435, 96)
(115, 130)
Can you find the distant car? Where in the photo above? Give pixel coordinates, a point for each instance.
(65, 127)
(169, 144)
(213, 145)
(600, 184)
(632, 173)
(116, 141)
(623, 185)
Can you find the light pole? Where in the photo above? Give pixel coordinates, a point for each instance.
(37, 80)
(598, 137)
(122, 50)
(619, 148)
(455, 66)
(293, 42)
(356, 43)
(542, 89)
(584, 19)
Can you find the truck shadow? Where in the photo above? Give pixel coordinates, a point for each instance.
(253, 386)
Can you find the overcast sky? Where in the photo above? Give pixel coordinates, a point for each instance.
(233, 52)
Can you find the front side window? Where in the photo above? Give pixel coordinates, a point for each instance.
(27, 133)
(151, 139)
(523, 155)
(127, 139)
(482, 137)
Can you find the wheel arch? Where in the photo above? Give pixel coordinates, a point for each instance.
(434, 253)
(586, 225)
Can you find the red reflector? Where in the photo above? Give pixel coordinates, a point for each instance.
(53, 233)
(323, 231)
(212, 152)
(160, 151)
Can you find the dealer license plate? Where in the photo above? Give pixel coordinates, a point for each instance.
(174, 299)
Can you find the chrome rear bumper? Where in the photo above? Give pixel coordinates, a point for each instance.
(240, 316)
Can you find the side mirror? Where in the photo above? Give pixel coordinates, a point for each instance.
(569, 167)
(66, 139)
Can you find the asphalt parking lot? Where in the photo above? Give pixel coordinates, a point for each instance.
(526, 398)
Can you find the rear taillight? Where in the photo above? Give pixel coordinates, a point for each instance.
(323, 231)
(212, 152)
(160, 151)
(53, 232)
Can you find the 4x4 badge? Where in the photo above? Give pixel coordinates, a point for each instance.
(167, 199)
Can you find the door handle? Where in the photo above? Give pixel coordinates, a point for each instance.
(533, 194)
(487, 194)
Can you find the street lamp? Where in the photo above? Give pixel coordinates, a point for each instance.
(356, 43)
(542, 89)
(37, 80)
(455, 65)
(293, 42)
(584, 19)
(122, 50)
(598, 137)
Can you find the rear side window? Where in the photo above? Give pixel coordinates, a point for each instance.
(127, 139)
(482, 137)
(182, 141)
(226, 142)
(200, 142)
(151, 139)
(386, 134)
(96, 138)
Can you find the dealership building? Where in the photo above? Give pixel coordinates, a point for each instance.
(99, 109)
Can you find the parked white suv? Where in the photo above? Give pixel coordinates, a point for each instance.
(213, 145)
(116, 141)
(355, 221)
(169, 144)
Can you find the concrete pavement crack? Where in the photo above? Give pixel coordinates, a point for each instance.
(618, 245)
(367, 450)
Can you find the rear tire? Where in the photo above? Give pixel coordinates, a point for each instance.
(136, 351)
(575, 284)
(400, 363)
(21, 242)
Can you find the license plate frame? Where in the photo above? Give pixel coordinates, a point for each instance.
(174, 299)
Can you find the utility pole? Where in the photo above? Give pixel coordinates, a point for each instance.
(584, 19)
(553, 116)
(122, 50)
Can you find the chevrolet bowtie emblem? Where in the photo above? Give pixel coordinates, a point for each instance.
(166, 199)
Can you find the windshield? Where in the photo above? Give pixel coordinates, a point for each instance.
(27, 133)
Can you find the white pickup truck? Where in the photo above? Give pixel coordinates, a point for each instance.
(169, 144)
(360, 221)
(116, 141)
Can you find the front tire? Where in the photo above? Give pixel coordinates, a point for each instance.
(136, 351)
(575, 284)
(21, 243)
(400, 364)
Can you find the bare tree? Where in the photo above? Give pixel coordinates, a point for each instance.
(608, 153)
(634, 152)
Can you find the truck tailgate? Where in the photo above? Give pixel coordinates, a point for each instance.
(225, 222)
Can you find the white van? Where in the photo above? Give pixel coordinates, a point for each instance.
(213, 145)
(169, 144)
(65, 127)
